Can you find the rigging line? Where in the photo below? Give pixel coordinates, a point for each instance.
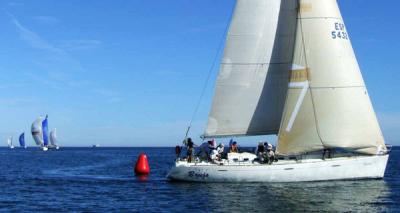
(309, 85)
(221, 43)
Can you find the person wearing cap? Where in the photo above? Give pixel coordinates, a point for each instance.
(233, 147)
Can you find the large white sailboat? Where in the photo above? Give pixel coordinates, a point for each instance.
(289, 69)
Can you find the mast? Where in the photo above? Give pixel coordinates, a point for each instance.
(252, 82)
(327, 103)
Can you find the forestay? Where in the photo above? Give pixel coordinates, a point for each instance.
(252, 82)
(327, 104)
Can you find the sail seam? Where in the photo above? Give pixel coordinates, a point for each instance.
(337, 87)
(277, 63)
(337, 18)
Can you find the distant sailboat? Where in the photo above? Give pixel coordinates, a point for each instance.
(10, 142)
(37, 133)
(22, 140)
(53, 139)
(45, 131)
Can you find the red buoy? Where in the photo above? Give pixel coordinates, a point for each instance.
(142, 165)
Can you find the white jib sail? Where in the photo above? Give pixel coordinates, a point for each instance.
(252, 82)
(36, 130)
(327, 104)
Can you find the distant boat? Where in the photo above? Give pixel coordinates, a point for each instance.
(37, 133)
(22, 140)
(53, 139)
(45, 131)
(96, 146)
(10, 142)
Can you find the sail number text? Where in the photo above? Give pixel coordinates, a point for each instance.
(340, 32)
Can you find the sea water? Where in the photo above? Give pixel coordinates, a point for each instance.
(102, 180)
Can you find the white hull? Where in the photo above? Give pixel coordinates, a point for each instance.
(341, 168)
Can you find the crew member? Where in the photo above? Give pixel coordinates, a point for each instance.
(270, 154)
(190, 149)
(178, 150)
(260, 152)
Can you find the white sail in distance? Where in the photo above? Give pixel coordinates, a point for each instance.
(327, 105)
(252, 82)
(9, 141)
(53, 137)
(36, 130)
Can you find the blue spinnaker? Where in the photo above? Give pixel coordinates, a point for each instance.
(45, 128)
(22, 140)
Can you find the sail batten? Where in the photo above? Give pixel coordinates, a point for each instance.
(252, 82)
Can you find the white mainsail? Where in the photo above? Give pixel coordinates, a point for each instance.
(36, 130)
(53, 137)
(327, 104)
(252, 82)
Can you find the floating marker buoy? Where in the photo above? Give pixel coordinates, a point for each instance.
(142, 165)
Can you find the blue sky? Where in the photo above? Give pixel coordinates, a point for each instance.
(129, 73)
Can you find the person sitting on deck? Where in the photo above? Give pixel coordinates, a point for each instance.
(326, 152)
(233, 147)
(260, 152)
(220, 151)
(270, 154)
(204, 151)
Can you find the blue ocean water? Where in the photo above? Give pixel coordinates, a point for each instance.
(102, 180)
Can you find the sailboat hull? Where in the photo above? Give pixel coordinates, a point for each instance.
(342, 168)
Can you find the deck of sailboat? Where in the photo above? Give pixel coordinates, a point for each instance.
(305, 160)
(310, 169)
